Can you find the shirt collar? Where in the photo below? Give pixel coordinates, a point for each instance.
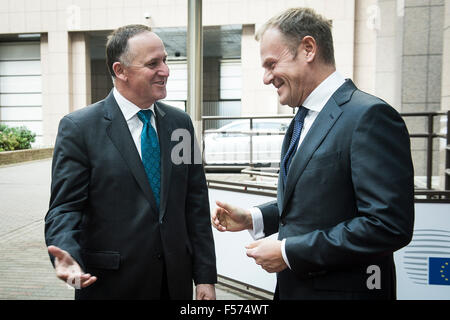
(128, 108)
(323, 92)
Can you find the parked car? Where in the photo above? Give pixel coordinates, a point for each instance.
(230, 144)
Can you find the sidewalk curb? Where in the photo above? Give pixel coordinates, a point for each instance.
(11, 157)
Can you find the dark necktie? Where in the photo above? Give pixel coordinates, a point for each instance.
(295, 138)
(151, 153)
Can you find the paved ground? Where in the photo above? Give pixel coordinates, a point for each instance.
(25, 270)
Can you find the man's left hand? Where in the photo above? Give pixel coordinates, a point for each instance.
(205, 292)
(267, 254)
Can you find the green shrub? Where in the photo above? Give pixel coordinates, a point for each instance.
(15, 138)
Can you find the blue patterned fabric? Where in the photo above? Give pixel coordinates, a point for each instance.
(151, 153)
(295, 138)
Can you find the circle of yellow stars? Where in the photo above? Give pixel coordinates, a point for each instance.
(443, 275)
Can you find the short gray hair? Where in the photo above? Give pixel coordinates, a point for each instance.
(117, 44)
(296, 23)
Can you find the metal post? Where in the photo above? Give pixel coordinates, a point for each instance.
(195, 65)
(203, 142)
(251, 142)
(447, 155)
(430, 151)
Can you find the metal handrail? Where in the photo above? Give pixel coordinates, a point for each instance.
(420, 196)
(429, 135)
(275, 116)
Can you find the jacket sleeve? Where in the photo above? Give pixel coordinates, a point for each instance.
(198, 219)
(383, 184)
(271, 216)
(69, 190)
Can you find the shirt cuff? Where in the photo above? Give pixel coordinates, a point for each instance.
(283, 252)
(258, 224)
(258, 231)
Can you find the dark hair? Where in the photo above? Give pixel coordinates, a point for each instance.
(117, 44)
(296, 23)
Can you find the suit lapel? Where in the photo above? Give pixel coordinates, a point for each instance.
(164, 135)
(317, 133)
(119, 134)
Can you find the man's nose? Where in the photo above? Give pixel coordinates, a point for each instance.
(267, 78)
(164, 70)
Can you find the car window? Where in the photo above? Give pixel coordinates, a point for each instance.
(237, 127)
(272, 126)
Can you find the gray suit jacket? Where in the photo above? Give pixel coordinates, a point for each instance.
(102, 210)
(348, 202)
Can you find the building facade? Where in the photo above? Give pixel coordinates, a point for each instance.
(52, 56)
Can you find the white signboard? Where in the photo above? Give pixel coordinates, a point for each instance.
(423, 266)
(232, 261)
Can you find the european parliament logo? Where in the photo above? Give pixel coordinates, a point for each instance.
(426, 259)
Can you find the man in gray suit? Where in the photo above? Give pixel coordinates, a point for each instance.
(125, 220)
(345, 198)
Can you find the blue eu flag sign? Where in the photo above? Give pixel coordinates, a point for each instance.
(439, 271)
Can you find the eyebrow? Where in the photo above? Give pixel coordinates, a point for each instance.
(157, 58)
(267, 62)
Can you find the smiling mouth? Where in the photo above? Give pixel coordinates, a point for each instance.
(160, 83)
(278, 86)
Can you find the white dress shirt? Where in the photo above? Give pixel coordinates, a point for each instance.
(130, 111)
(314, 103)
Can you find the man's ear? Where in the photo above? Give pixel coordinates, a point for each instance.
(308, 47)
(119, 71)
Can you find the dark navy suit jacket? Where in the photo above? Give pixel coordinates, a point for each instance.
(102, 210)
(348, 202)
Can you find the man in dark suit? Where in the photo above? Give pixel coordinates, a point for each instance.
(345, 198)
(126, 221)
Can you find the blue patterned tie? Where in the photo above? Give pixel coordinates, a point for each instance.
(298, 125)
(151, 153)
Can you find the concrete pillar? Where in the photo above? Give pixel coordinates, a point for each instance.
(445, 88)
(389, 51)
(80, 70)
(257, 98)
(365, 45)
(445, 96)
(378, 49)
(66, 78)
(46, 115)
(55, 79)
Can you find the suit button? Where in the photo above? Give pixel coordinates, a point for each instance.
(283, 222)
(159, 256)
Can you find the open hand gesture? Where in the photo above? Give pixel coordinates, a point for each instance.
(68, 270)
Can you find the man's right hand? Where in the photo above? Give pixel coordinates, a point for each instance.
(68, 270)
(229, 218)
